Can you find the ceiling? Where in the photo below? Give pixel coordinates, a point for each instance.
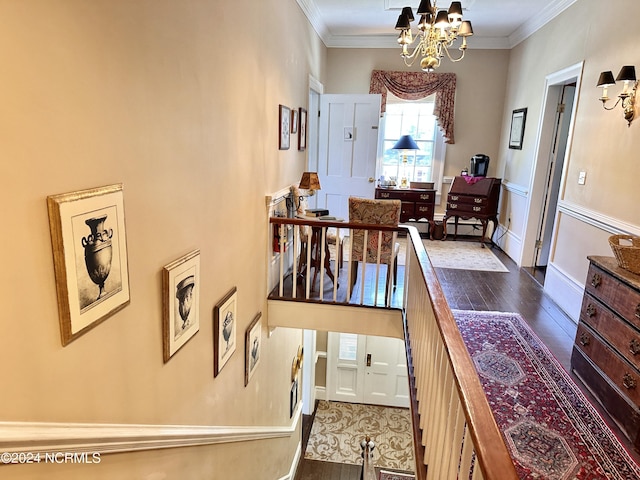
(370, 23)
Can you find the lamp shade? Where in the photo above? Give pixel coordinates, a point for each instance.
(425, 7)
(455, 11)
(309, 181)
(606, 79)
(442, 19)
(466, 30)
(406, 142)
(627, 73)
(403, 22)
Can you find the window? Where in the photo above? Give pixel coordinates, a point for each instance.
(413, 118)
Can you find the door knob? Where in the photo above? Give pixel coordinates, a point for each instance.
(371, 179)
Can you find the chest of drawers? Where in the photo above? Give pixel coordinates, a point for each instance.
(606, 352)
(476, 198)
(416, 204)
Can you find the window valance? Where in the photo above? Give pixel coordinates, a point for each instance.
(417, 85)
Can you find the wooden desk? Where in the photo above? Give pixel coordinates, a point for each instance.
(416, 204)
(316, 253)
(473, 200)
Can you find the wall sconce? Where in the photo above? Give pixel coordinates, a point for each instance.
(627, 96)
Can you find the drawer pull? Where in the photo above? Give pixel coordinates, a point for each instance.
(454, 197)
(584, 339)
(629, 382)
(591, 310)
(454, 205)
(477, 209)
(638, 311)
(385, 195)
(634, 346)
(596, 280)
(477, 200)
(424, 197)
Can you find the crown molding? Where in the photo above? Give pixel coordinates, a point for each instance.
(538, 21)
(389, 41)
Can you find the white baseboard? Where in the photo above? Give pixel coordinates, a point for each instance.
(564, 290)
(321, 393)
(294, 464)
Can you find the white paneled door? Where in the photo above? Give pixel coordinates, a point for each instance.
(347, 149)
(367, 369)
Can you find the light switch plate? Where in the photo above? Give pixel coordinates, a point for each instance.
(582, 178)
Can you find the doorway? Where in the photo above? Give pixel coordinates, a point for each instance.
(552, 152)
(367, 369)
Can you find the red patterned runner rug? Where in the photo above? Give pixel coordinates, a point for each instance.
(551, 429)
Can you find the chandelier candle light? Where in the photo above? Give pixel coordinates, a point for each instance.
(437, 32)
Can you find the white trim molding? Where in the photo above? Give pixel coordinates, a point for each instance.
(42, 438)
(597, 219)
(515, 189)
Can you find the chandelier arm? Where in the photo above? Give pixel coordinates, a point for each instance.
(604, 104)
(446, 50)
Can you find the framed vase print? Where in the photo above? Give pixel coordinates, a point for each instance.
(225, 315)
(252, 347)
(516, 134)
(302, 131)
(294, 120)
(88, 239)
(180, 302)
(285, 128)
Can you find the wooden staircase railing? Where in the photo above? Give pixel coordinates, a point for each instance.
(456, 426)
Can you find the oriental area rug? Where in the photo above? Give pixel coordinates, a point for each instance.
(551, 429)
(338, 428)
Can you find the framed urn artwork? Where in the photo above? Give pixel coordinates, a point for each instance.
(294, 120)
(516, 134)
(285, 128)
(88, 239)
(225, 315)
(252, 347)
(180, 302)
(302, 131)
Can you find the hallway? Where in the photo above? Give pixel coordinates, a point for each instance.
(515, 291)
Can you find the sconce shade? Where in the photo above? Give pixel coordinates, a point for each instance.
(408, 12)
(606, 79)
(309, 181)
(627, 73)
(406, 142)
(455, 10)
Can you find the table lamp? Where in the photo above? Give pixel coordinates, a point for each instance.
(406, 144)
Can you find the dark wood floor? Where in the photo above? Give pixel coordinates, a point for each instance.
(516, 291)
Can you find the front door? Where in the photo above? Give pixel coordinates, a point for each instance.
(367, 369)
(347, 149)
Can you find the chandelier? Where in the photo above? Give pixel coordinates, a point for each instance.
(437, 32)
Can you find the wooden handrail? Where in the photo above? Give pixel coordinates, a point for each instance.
(492, 453)
(331, 223)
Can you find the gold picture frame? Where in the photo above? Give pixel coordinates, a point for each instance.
(180, 302)
(88, 239)
(252, 347)
(225, 320)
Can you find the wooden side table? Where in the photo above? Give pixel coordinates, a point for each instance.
(416, 204)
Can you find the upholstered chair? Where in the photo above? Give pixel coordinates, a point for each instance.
(374, 212)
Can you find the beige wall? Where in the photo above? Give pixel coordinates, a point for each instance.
(602, 146)
(177, 100)
(481, 81)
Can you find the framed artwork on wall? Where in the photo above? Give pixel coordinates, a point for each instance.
(89, 244)
(180, 302)
(294, 120)
(302, 131)
(252, 347)
(285, 133)
(518, 119)
(224, 330)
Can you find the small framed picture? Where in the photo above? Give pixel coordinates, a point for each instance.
(302, 131)
(293, 398)
(285, 132)
(224, 330)
(90, 257)
(294, 120)
(518, 119)
(252, 347)
(180, 302)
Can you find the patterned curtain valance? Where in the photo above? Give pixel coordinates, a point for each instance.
(417, 85)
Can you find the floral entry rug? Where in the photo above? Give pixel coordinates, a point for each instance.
(551, 429)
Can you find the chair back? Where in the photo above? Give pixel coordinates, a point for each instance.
(373, 212)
